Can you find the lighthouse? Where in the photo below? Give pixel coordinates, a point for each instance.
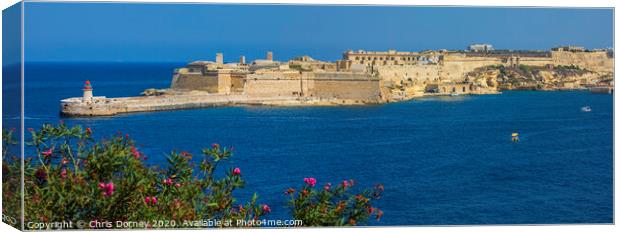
(88, 92)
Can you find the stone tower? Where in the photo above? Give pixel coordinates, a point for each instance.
(219, 58)
(242, 60)
(269, 55)
(88, 92)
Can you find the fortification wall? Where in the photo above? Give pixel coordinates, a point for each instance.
(272, 87)
(327, 85)
(535, 61)
(417, 73)
(595, 61)
(237, 84)
(351, 86)
(195, 82)
(455, 67)
(361, 90)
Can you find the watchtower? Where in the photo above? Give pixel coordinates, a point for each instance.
(219, 58)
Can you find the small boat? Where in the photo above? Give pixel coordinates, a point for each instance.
(586, 109)
(454, 94)
(515, 137)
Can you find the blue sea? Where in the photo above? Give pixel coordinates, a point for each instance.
(442, 160)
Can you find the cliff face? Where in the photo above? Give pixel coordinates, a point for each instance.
(537, 77)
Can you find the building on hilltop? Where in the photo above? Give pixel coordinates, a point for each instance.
(480, 47)
(390, 57)
(569, 49)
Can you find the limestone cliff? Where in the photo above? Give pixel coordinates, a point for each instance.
(537, 77)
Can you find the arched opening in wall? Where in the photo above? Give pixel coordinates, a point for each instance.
(453, 89)
(444, 89)
(463, 89)
(471, 88)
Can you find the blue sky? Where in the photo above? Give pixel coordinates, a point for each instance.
(11, 35)
(186, 32)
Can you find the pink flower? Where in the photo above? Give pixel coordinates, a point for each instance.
(215, 146)
(64, 161)
(63, 173)
(177, 185)
(236, 171)
(135, 152)
(266, 209)
(89, 131)
(327, 186)
(47, 153)
(310, 181)
(186, 155)
(150, 200)
(168, 181)
(107, 188)
(345, 183)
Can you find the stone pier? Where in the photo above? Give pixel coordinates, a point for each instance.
(102, 106)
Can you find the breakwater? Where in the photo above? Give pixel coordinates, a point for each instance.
(102, 106)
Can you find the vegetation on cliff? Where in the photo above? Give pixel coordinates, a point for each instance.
(537, 77)
(72, 177)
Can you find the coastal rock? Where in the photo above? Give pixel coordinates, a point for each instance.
(537, 77)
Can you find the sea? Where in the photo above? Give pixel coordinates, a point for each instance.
(442, 160)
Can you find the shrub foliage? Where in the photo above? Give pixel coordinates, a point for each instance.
(72, 177)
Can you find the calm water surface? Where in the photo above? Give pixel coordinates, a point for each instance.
(442, 160)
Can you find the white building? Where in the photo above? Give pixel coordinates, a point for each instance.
(480, 47)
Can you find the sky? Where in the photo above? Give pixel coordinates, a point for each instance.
(133, 32)
(11, 35)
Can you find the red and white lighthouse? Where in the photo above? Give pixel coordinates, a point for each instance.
(88, 92)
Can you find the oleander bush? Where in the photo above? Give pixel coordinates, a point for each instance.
(11, 186)
(333, 205)
(71, 177)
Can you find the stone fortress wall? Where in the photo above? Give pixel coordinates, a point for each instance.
(194, 81)
(365, 75)
(361, 77)
(267, 78)
(323, 85)
(352, 86)
(454, 67)
(596, 61)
